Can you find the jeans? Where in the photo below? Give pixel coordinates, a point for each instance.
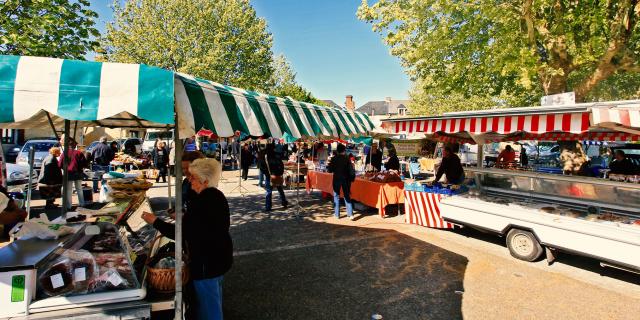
(208, 296)
(345, 185)
(162, 173)
(261, 178)
(77, 184)
(95, 168)
(269, 194)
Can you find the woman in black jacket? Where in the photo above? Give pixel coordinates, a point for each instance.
(273, 166)
(206, 237)
(50, 179)
(393, 163)
(161, 160)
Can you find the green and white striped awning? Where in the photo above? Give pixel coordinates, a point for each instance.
(34, 90)
(203, 104)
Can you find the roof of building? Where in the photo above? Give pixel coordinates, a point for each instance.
(330, 103)
(384, 107)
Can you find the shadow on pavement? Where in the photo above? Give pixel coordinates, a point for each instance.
(288, 268)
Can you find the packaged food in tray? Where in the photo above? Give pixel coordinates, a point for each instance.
(115, 273)
(67, 272)
(56, 278)
(83, 267)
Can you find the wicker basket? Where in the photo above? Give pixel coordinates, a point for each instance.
(128, 186)
(164, 280)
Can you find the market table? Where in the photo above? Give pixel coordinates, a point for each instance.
(373, 194)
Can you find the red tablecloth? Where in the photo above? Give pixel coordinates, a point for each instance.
(423, 208)
(373, 194)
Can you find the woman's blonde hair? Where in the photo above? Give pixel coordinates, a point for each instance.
(55, 150)
(206, 169)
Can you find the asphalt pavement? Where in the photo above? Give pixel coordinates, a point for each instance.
(305, 264)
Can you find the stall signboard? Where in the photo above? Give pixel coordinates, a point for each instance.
(406, 148)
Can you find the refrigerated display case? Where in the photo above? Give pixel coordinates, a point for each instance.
(100, 263)
(588, 216)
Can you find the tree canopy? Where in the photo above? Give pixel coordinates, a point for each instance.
(512, 52)
(283, 82)
(222, 40)
(51, 28)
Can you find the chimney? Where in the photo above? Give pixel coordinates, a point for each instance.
(350, 104)
(387, 99)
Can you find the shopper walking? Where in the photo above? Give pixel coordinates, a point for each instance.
(50, 179)
(246, 159)
(261, 164)
(273, 169)
(77, 162)
(102, 155)
(343, 174)
(161, 161)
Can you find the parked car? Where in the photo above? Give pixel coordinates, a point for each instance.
(154, 134)
(18, 177)
(12, 153)
(41, 151)
(132, 146)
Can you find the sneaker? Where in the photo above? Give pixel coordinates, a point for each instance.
(352, 218)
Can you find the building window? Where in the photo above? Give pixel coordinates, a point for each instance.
(134, 134)
(402, 111)
(9, 136)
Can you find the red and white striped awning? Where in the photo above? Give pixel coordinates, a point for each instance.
(602, 120)
(563, 136)
(537, 123)
(627, 116)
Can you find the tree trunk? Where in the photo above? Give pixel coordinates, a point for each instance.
(555, 84)
(572, 156)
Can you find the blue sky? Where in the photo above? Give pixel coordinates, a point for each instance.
(333, 53)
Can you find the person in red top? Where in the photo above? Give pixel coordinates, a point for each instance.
(77, 162)
(507, 155)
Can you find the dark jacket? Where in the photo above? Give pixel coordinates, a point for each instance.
(160, 157)
(187, 193)
(206, 235)
(625, 166)
(393, 163)
(273, 166)
(77, 162)
(340, 166)
(102, 154)
(452, 167)
(375, 159)
(50, 173)
(247, 158)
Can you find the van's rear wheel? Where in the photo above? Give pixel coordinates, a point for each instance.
(523, 245)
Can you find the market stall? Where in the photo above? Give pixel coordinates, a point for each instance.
(539, 212)
(47, 92)
(372, 192)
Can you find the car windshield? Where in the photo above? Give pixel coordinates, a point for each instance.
(42, 146)
(159, 135)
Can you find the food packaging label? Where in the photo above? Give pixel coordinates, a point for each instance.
(115, 279)
(57, 281)
(79, 274)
